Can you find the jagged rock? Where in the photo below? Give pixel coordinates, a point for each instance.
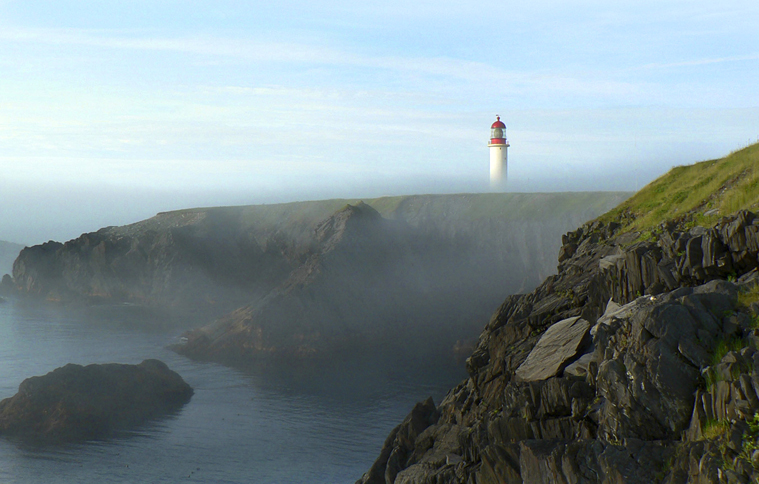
(647, 402)
(579, 367)
(400, 445)
(559, 345)
(552, 462)
(77, 402)
(656, 358)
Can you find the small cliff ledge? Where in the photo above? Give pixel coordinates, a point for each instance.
(75, 403)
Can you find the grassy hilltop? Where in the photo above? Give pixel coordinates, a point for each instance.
(697, 194)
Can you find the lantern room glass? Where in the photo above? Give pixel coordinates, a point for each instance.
(497, 133)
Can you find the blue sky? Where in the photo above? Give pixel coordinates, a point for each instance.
(113, 111)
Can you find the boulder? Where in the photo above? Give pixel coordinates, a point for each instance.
(559, 346)
(75, 403)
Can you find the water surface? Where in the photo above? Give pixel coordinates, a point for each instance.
(273, 425)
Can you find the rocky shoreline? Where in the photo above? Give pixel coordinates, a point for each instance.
(635, 363)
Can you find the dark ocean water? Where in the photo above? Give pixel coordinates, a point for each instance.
(305, 425)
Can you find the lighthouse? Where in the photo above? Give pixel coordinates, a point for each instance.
(498, 154)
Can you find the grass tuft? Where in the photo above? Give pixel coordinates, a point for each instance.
(749, 296)
(713, 429)
(725, 346)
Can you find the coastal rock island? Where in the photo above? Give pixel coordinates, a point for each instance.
(636, 363)
(76, 403)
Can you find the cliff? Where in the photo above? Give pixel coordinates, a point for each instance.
(637, 362)
(310, 278)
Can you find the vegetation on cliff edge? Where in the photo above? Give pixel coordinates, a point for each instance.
(697, 194)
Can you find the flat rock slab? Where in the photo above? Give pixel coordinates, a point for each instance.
(76, 402)
(559, 346)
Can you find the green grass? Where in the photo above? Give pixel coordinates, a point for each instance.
(714, 428)
(725, 346)
(711, 378)
(749, 296)
(685, 193)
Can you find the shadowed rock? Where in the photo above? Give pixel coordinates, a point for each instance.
(75, 402)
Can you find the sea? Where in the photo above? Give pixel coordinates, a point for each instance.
(305, 424)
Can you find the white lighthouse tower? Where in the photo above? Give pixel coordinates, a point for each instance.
(499, 146)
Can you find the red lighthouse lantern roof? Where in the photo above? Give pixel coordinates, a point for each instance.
(498, 124)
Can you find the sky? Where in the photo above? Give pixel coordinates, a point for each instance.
(113, 111)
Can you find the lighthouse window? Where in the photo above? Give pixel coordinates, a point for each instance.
(497, 133)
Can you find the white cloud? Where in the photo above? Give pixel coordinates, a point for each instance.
(446, 73)
(704, 61)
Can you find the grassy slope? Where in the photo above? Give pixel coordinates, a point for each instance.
(686, 193)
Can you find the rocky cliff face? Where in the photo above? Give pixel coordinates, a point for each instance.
(193, 259)
(312, 277)
(635, 363)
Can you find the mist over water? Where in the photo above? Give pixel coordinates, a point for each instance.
(268, 425)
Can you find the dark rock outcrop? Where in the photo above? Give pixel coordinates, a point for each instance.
(75, 403)
(665, 388)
